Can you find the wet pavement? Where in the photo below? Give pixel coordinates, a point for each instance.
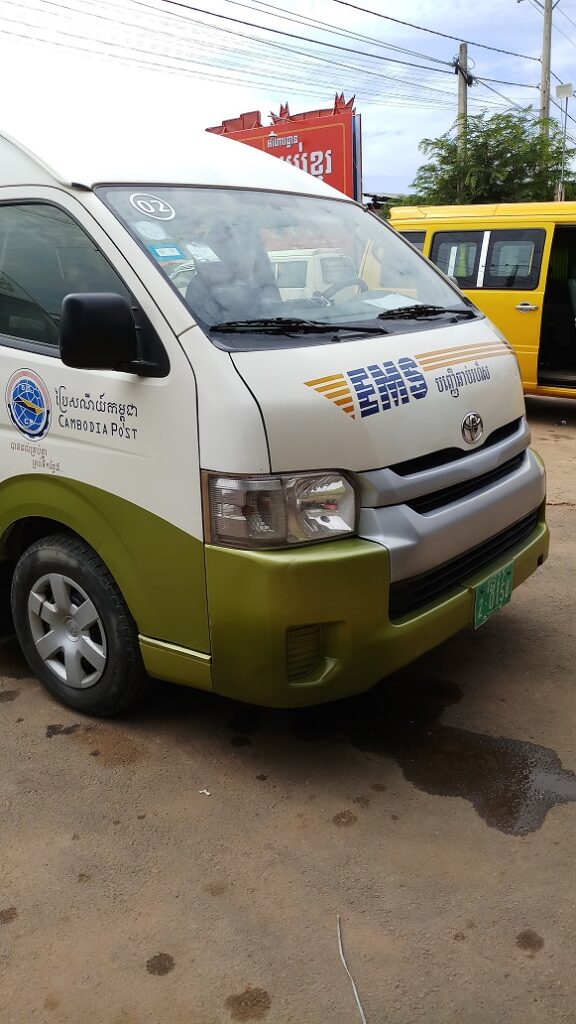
(187, 865)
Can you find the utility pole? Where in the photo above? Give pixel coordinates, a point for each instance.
(563, 92)
(462, 72)
(545, 77)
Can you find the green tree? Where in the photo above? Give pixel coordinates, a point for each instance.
(505, 159)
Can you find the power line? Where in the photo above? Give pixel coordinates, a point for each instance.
(484, 82)
(285, 15)
(130, 24)
(435, 32)
(175, 57)
(554, 26)
(189, 67)
(307, 39)
(564, 15)
(519, 85)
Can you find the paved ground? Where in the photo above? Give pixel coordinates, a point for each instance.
(187, 866)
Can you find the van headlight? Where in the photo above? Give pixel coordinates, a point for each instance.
(278, 511)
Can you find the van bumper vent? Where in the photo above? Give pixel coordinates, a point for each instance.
(304, 650)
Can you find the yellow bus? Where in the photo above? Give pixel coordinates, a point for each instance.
(517, 263)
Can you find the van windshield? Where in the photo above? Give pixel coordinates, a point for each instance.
(268, 269)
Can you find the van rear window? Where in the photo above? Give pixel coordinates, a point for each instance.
(495, 259)
(514, 258)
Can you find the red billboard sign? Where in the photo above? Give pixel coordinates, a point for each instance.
(325, 143)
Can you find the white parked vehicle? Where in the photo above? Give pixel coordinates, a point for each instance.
(302, 273)
(281, 498)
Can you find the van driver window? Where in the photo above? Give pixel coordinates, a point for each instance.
(44, 256)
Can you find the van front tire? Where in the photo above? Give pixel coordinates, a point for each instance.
(75, 629)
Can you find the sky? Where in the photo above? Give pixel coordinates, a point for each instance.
(141, 64)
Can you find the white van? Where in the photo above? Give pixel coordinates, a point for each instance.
(277, 500)
(301, 273)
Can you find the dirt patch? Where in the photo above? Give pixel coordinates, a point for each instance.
(61, 730)
(216, 888)
(161, 963)
(344, 819)
(529, 940)
(8, 695)
(8, 914)
(109, 746)
(252, 1004)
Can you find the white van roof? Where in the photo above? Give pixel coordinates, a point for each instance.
(189, 158)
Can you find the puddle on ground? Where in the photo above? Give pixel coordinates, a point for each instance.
(511, 783)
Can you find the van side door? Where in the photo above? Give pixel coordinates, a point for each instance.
(503, 271)
(108, 454)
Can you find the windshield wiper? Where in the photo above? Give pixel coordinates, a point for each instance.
(422, 312)
(293, 325)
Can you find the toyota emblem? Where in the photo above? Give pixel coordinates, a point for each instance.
(472, 427)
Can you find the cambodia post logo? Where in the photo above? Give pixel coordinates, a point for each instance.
(28, 404)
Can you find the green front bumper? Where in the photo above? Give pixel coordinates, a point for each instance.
(254, 599)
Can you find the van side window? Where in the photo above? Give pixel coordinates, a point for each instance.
(457, 254)
(45, 255)
(291, 273)
(416, 237)
(514, 259)
(336, 268)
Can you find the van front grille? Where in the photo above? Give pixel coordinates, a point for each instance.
(410, 595)
(447, 455)
(447, 495)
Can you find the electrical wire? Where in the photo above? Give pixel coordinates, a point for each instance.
(329, 61)
(285, 15)
(511, 103)
(184, 65)
(150, 65)
(555, 27)
(307, 39)
(401, 99)
(564, 15)
(435, 32)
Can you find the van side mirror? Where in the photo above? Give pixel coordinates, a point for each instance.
(97, 332)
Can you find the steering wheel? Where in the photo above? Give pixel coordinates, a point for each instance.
(345, 283)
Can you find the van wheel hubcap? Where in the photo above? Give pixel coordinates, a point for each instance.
(67, 631)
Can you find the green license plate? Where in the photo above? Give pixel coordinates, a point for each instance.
(492, 594)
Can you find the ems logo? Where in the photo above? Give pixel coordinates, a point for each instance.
(372, 389)
(28, 404)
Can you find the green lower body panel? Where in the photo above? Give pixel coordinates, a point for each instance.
(176, 664)
(301, 627)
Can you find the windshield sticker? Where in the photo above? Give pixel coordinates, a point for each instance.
(28, 403)
(202, 253)
(166, 252)
(148, 229)
(152, 206)
(367, 390)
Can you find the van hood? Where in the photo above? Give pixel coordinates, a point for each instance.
(373, 402)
